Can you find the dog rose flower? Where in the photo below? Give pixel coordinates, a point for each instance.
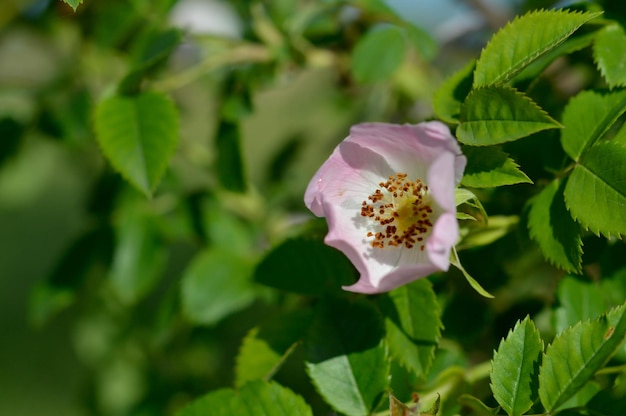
(387, 193)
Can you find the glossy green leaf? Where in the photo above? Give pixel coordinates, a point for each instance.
(73, 3)
(140, 254)
(515, 368)
(449, 97)
(257, 398)
(305, 266)
(138, 135)
(346, 356)
(576, 354)
(587, 117)
(413, 323)
(579, 301)
(216, 284)
(554, 229)
(493, 115)
(266, 347)
(378, 54)
(609, 52)
(489, 167)
(596, 190)
(532, 35)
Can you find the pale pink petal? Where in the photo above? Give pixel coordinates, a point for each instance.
(443, 237)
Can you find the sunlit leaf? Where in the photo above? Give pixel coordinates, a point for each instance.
(587, 117)
(490, 167)
(413, 322)
(493, 115)
(138, 135)
(609, 52)
(257, 398)
(515, 368)
(595, 193)
(347, 356)
(378, 54)
(216, 284)
(576, 354)
(449, 97)
(532, 35)
(554, 229)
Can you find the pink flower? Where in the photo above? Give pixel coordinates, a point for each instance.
(387, 193)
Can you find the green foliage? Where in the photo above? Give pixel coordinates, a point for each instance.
(138, 135)
(553, 228)
(493, 115)
(534, 34)
(588, 117)
(73, 3)
(596, 191)
(609, 51)
(304, 266)
(413, 326)
(576, 354)
(490, 167)
(256, 398)
(378, 54)
(216, 284)
(347, 356)
(515, 368)
(449, 97)
(579, 301)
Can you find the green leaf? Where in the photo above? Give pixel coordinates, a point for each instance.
(216, 284)
(347, 356)
(579, 301)
(596, 190)
(497, 227)
(515, 368)
(138, 135)
(257, 398)
(449, 97)
(456, 262)
(413, 322)
(576, 354)
(73, 3)
(378, 54)
(488, 167)
(554, 229)
(421, 41)
(305, 266)
(493, 115)
(140, 254)
(531, 35)
(478, 408)
(587, 117)
(230, 167)
(266, 347)
(609, 52)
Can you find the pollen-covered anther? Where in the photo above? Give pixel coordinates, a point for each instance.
(400, 210)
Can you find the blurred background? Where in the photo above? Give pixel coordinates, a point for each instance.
(286, 78)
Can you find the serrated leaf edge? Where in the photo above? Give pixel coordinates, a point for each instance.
(601, 68)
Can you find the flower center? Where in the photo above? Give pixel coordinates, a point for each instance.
(401, 211)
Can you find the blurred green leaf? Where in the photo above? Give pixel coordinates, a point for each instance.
(347, 356)
(587, 117)
(576, 354)
(607, 403)
(397, 408)
(230, 168)
(554, 229)
(450, 95)
(595, 193)
(579, 301)
(215, 285)
(305, 266)
(489, 167)
(515, 367)
(140, 254)
(609, 52)
(378, 54)
(73, 3)
(421, 41)
(413, 323)
(533, 35)
(138, 135)
(493, 115)
(478, 407)
(11, 133)
(257, 398)
(266, 347)
(497, 227)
